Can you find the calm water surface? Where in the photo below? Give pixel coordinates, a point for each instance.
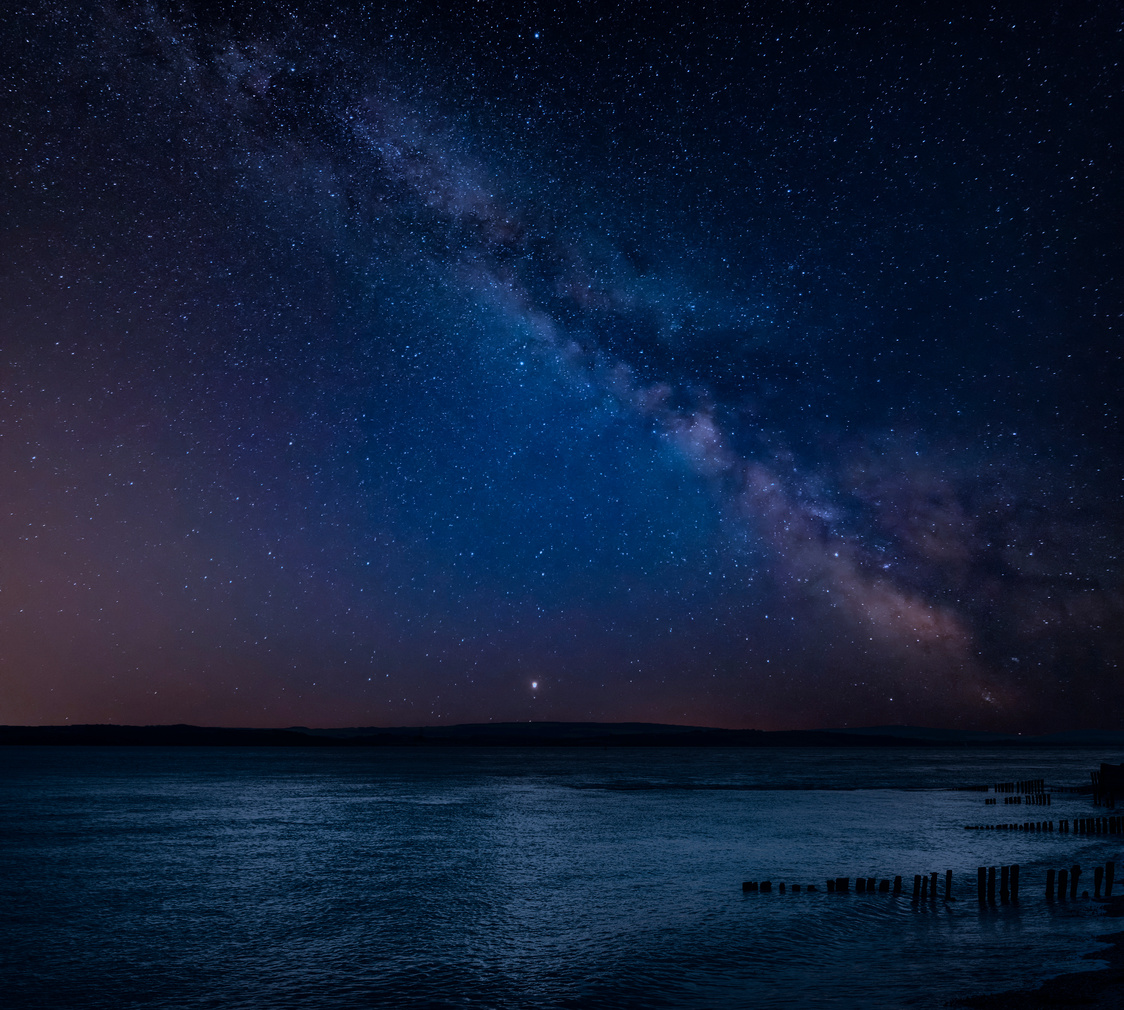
(508, 878)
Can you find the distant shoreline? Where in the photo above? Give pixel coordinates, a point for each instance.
(535, 734)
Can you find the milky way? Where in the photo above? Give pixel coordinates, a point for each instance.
(756, 370)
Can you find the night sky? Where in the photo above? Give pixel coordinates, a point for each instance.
(434, 363)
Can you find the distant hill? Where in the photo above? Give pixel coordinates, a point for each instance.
(537, 734)
(926, 734)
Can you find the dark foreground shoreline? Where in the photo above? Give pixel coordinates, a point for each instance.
(1102, 989)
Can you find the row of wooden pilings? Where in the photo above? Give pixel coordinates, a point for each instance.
(1022, 786)
(1031, 799)
(1099, 825)
(1079, 826)
(987, 877)
(1103, 876)
(924, 886)
(1008, 883)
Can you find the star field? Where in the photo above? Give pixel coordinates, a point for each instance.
(748, 367)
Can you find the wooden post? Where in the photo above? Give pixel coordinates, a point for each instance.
(948, 885)
(1109, 873)
(916, 886)
(860, 885)
(842, 883)
(981, 883)
(781, 888)
(897, 885)
(991, 885)
(870, 884)
(766, 885)
(749, 885)
(933, 885)
(1074, 876)
(831, 886)
(1063, 878)
(1015, 882)
(1049, 885)
(1004, 883)
(883, 887)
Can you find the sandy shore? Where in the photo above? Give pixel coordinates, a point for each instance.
(1102, 989)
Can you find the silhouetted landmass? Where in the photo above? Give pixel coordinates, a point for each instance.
(532, 734)
(158, 736)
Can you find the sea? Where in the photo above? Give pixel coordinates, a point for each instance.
(529, 878)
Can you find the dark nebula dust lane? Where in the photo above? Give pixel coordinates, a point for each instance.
(376, 367)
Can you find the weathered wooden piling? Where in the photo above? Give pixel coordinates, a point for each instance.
(1063, 879)
(981, 883)
(924, 887)
(749, 885)
(948, 885)
(1074, 876)
(1004, 883)
(933, 885)
(897, 885)
(781, 888)
(830, 886)
(991, 885)
(1049, 885)
(766, 885)
(883, 887)
(1015, 882)
(842, 883)
(1109, 873)
(1098, 880)
(860, 885)
(870, 882)
(916, 886)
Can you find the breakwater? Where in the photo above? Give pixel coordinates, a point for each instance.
(1078, 826)
(993, 884)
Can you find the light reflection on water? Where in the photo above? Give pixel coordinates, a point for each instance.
(501, 878)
